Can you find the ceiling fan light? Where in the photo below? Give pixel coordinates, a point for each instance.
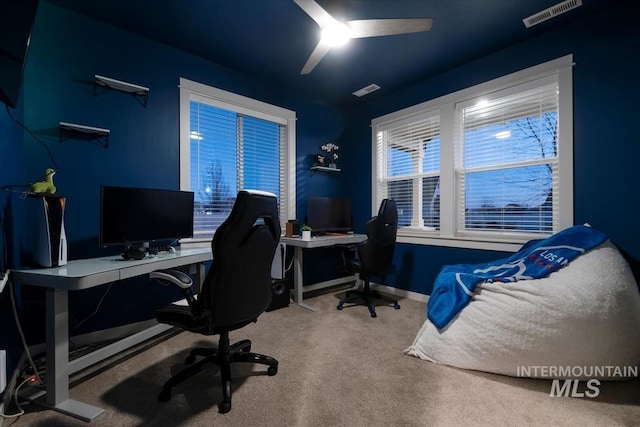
(336, 34)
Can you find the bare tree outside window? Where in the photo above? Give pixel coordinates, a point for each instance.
(214, 192)
(521, 194)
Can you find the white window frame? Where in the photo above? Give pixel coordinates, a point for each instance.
(189, 91)
(447, 234)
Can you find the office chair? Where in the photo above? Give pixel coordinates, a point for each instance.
(235, 291)
(374, 256)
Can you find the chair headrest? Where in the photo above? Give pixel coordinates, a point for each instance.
(388, 211)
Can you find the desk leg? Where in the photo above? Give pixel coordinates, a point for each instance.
(58, 360)
(298, 280)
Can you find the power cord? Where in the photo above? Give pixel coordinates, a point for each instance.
(20, 412)
(22, 188)
(5, 248)
(97, 307)
(46, 147)
(35, 378)
(289, 267)
(21, 333)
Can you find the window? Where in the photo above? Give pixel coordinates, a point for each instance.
(486, 167)
(228, 143)
(409, 157)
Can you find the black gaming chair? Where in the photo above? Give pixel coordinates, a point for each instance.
(374, 256)
(236, 290)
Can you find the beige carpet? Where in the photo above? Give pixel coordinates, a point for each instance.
(337, 368)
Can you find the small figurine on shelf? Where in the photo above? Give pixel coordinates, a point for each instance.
(46, 186)
(331, 157)
(319, 160)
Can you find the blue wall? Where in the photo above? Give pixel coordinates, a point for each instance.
(606, 148)
(11, 172)
(66, 51)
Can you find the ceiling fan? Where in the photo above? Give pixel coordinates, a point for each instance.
(336, 33)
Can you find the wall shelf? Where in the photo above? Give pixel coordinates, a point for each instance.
(140, 93)
(72, 130)
(315, 169)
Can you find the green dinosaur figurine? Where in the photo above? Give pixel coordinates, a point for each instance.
(45, 186)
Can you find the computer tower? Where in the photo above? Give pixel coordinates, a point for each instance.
(51, 240)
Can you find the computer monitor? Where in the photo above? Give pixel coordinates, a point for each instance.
(136, 216)
(329, 214)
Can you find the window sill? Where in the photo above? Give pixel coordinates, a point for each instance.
(460, 242)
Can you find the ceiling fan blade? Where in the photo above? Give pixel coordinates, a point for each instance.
(318, 53)
(316, 12)
(388, 27)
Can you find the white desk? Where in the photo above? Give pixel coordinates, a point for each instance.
(316, 242)
(83, 274)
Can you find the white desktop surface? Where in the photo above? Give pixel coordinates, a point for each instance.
(87, 273)
(316, 242)
(83, 274)
(323, 241)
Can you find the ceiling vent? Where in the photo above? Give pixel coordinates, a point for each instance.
(366, 90)
(552, 12)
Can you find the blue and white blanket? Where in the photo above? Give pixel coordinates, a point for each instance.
(455, 284)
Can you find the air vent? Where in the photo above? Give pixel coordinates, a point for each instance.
(553, 11)
(366, 90)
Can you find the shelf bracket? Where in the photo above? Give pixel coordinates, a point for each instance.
(71, 130)
(139, 93)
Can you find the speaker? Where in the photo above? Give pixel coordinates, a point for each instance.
(292, 228)
(280, 294)
(51, 243)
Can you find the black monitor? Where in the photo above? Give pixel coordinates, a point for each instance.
(135, 216)
(329, 214)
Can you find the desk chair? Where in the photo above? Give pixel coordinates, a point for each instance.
(236, 290)
(374, 256)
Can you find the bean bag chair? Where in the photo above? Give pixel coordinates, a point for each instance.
(585, 315)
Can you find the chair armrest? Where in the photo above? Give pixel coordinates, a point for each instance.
(347, 253)
(173, 276)
(179, 279)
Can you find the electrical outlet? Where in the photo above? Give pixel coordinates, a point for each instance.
(4, 280)
(3, 370)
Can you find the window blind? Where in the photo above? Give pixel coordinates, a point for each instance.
(507, 160)
(408, 162)
(229, 152)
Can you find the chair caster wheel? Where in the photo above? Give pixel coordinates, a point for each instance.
(373, 314)
(396, 306)
(272, 370)
(164, 395)
(190, 359)
(224, 407)
(339, 307)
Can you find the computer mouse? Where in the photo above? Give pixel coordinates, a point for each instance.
(134, 253)
(171, 249)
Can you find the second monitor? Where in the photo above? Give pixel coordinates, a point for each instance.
(329, 214)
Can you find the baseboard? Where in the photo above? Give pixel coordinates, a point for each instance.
(415, 296)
